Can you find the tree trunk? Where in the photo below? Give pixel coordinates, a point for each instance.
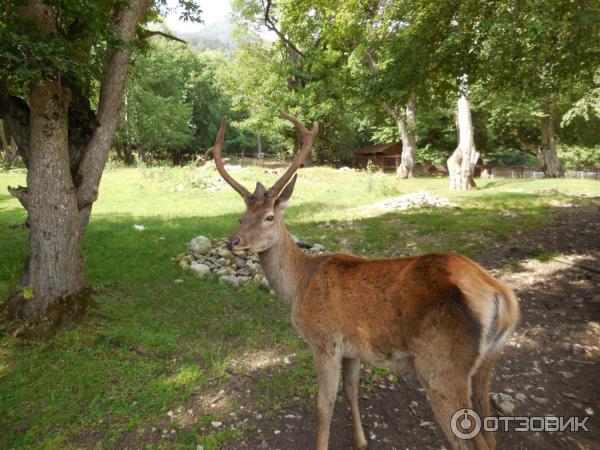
(4, 150)
(13, 151)
(55, 266)
(258, 146)
(176, 157)
(8, 151)
(461, 165)
(547, 151)
(58, 202)
(406, 126)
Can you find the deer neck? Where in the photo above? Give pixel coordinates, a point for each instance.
(284, 265)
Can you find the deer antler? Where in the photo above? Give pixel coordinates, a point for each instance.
(216, 150)
(307, 142)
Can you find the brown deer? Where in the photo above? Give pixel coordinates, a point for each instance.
(441, 314)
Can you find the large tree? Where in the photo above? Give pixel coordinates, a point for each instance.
(300, 71)
(544, 52)
(386, 62)
(53, 55)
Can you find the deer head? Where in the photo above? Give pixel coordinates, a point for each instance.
(262, 226)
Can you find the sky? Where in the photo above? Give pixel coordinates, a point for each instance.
(212, 11)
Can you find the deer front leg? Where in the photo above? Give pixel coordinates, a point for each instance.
(328, 373)
(351, 371)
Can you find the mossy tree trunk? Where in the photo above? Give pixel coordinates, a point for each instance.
(547, 150)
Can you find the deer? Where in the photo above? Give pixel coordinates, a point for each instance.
(441, 315)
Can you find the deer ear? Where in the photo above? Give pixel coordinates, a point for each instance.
(287, 192)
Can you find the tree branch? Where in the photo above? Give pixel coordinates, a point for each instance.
(126, 20)
(15, 111)
(20, 193)
(150, 33)
(272, 27)
(373, 66)
(525, 146)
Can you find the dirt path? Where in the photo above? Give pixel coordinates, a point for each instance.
(551, 366)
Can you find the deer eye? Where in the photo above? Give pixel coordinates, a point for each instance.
(270, 218)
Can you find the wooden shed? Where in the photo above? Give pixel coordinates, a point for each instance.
(385, 156)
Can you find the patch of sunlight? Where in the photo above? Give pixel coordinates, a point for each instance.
(185, 375)
(262, 359)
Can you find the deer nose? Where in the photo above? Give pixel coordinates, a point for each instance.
(233, 242)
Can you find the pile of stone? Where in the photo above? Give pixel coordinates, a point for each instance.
(202, 258)
(409, 201)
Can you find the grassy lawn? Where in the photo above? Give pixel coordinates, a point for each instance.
(151, 345)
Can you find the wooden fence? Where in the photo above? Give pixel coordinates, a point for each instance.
(391, 163)
(523, 172)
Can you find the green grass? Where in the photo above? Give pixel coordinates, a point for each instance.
(151, 346)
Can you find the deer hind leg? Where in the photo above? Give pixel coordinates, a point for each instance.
(481, 396)
(448, 386)
(351, 371)
(328, 374)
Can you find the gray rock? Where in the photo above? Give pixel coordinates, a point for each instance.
(265, 284)
(222, 261)
(567, 374)
(507, 407)
(504, 402)
(304, 244)
(294, 238)
(318, 248)
(199, 269)
(240, 262)
(243, 273)
(427, 424)
(521, 397)
(230, 280)
(200, 245)
(224, 253)
(578, 349)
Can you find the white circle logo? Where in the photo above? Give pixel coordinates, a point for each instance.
(465, 424)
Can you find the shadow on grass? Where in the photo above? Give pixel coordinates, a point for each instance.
(502, 182)
(152, 344)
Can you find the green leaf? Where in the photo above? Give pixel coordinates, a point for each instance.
(27, 292)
